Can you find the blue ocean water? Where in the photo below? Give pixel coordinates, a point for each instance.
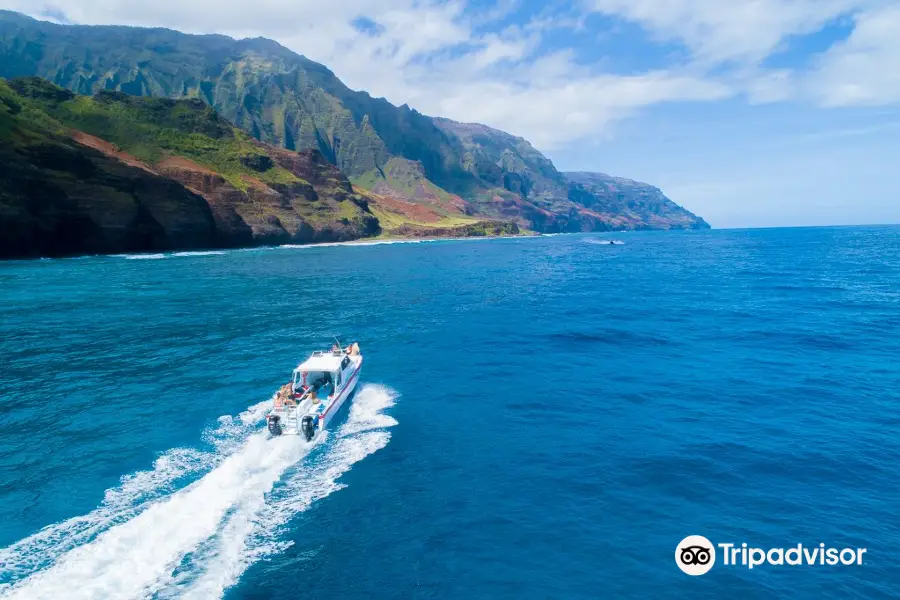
(538, 418)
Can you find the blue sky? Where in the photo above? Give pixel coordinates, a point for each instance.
(748, 112)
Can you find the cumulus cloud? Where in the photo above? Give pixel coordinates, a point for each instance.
(465, 61)
(733, 30)
(865, 68)
(861, 70)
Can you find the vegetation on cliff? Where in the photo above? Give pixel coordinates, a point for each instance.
(117, 173)
(58, 197)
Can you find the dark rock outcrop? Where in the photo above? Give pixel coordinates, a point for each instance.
(58, 198)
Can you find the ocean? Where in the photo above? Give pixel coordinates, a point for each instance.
(537, 418)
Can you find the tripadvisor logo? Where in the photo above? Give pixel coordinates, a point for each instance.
(696, 555)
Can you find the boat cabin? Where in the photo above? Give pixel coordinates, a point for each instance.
(322, 373)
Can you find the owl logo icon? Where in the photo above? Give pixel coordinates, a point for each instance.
(695, 555)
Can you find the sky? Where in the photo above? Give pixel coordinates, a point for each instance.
(750, 113)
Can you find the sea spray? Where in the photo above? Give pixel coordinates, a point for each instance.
(254, 532)
(136, 492)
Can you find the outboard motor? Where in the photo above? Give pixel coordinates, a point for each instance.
(307, 427)
(274, 422)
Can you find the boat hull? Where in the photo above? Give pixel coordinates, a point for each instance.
(342, 398)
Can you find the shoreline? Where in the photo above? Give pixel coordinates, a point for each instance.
(213, 251)
(373, 241)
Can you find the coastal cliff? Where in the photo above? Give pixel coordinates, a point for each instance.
(416, 163)
(118, 173)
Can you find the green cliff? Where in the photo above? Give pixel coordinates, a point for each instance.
(116, 173)
(286, 100)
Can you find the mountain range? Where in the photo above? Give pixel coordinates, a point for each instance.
(424, 170)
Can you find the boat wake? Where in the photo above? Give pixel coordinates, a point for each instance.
(194, 523)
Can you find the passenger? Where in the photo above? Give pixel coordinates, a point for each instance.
(283, 395)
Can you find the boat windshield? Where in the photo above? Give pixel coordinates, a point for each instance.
(320, 381)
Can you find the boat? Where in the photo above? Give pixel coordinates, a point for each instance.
(320, 385)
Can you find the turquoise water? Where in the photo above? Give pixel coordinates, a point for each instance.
(537, 418)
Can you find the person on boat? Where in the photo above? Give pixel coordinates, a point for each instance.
(283, 395)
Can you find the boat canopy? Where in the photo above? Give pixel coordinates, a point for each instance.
(321, 362)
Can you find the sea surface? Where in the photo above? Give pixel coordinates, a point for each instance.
(537, 418)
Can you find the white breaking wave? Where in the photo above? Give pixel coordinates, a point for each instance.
(141, 256)
(354, 243)
(200, 253)
(160, 256)
(148, 539)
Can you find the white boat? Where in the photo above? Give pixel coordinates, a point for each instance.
(318, 388)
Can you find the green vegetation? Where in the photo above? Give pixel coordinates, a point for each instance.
(406, 179)
(58, 197)
(152, 129)
(119, 173)
(391, 221)
(115, 189)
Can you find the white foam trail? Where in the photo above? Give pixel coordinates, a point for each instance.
(200, 539)
(200, 253)
(254, 533)
(135, 493)
(119, 504)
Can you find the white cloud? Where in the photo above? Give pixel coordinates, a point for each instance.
(512, 48)
(454, 59)
(729, 30)
(429, 55)
(861, 70)
(864, 69)
(556, 110)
